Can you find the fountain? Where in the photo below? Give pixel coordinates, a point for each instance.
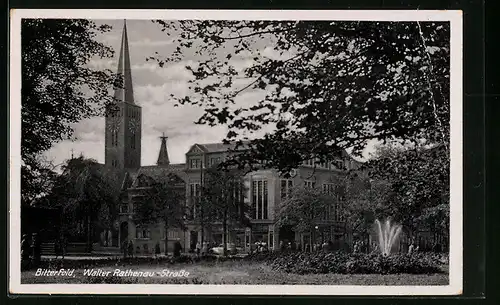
(387, 235)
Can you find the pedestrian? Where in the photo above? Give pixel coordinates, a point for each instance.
(282, 246)
(324, 246)
(57, 247)
(64, 245)
(130, 248)
(37, 249)
(177, 249)
(25, 252)
(157, 250)
(411, 248)
(125, 248)
(204, 248)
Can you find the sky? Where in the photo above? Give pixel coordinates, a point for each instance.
(152, 88)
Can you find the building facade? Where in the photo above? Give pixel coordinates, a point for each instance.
(265, 189)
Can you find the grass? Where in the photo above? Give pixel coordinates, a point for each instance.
(233, 272)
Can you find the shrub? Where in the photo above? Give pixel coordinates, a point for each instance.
(350, 263)
(264, 256)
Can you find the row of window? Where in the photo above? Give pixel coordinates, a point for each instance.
(334, 210)
(286, 188)
(197, 163)
(338, 164)
(142, 232)
(130, 162)
(260, 198)
(195, 195)
(114, 139)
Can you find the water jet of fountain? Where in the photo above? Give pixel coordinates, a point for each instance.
(387, 235)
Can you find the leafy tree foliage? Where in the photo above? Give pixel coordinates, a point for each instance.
(326, 85)
(421, 179)
(41, 179)
(224, 199)
(163, 202)
(88, 194)
(410, 185)
(58, 86)
(304, 208)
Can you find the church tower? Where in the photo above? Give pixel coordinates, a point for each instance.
(124, 118)
(163, 155)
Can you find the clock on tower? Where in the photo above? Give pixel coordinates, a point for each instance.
(114, 124)
(133, 125)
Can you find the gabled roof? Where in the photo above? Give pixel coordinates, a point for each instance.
(159, 172)
(217, 147)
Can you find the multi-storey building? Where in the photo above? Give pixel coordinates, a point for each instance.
(265, 188)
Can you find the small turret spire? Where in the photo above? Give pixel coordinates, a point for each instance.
(163, 155)
(126, 92)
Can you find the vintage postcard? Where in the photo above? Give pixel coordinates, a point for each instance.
(235, 152)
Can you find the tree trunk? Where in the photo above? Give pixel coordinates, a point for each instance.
(202, 225)
(166, 237)
(311, 238)
(224, 233)
(89, 235)
(202, 219)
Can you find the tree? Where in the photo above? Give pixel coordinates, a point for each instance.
(224, 198)
(38, 181)
(326, 85)
(58, 86)
(411, 184)
(305, 208)
(88, 194)
(163, 202)
(366, 200)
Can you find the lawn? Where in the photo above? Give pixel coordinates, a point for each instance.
(228, 272)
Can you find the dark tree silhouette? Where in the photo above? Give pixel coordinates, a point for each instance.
(224, 200)
(88, 195)
(58, 87)
(163, 202)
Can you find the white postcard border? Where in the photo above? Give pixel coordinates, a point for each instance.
(456, 189)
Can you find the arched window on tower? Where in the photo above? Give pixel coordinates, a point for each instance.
(112, 138)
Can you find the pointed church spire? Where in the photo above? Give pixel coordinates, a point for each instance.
(163, 155)
(126, 93)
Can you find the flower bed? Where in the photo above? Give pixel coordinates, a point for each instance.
(349, 263)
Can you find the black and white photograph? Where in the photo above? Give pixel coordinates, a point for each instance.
(236, 152)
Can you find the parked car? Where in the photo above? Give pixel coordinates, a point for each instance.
(219, 250)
